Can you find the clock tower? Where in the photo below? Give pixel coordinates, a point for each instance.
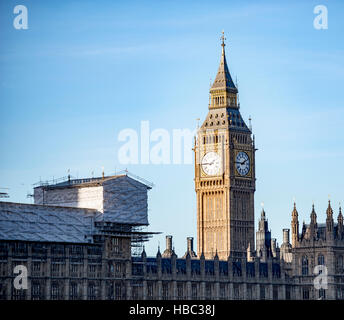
(224, 173)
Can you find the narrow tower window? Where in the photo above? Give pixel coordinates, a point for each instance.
(304, 266)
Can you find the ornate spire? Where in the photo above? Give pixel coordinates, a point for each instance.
(262, 215)
(158, 255)
(294, 214)
(340, 215)
(340, 223)
(329, 211)
(295, 226)
(216, 257)
(143, 254)
(223, 41)
(329, 221)
(303, 226)
(223, 78)
(313, 215)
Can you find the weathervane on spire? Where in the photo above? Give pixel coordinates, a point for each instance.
(223, 38)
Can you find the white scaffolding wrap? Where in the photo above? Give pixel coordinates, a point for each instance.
(27, 222)
(120, 198)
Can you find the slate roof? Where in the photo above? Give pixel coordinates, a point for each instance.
(223, 78)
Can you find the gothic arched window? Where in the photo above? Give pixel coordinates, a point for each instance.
(304, 266)
(321, 259)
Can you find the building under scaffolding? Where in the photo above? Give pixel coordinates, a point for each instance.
(77, 240)
(121, 200)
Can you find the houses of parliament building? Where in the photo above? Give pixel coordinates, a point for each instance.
(77, 240)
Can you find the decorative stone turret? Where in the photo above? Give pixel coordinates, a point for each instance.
(263, 239)
(294, 226)
(329, 222)
(313, 225)
(340, 224)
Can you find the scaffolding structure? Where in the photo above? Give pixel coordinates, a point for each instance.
(4, 194)
(136, 233)
(121, 198)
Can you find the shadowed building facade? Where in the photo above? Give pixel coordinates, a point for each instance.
(318, 248)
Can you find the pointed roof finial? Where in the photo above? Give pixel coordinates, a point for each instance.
(295, 214)
(340, 215)
(313, 215)
(263, 212)
(329, 210)
(223, 38)
(143, 253)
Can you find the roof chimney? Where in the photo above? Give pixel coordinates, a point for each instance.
(189, 248)
(285, 235)
(189, 244)
(168, 251)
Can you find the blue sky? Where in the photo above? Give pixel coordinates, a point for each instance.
(85, 70)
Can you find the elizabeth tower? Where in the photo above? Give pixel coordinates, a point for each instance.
(224, 173)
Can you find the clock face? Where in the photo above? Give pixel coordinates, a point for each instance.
(242, 163)
(211, 163)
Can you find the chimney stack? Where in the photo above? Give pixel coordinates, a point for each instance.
(189, 244)
(168, 251)
(168, 242)
(286, 236)
(189, 248)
